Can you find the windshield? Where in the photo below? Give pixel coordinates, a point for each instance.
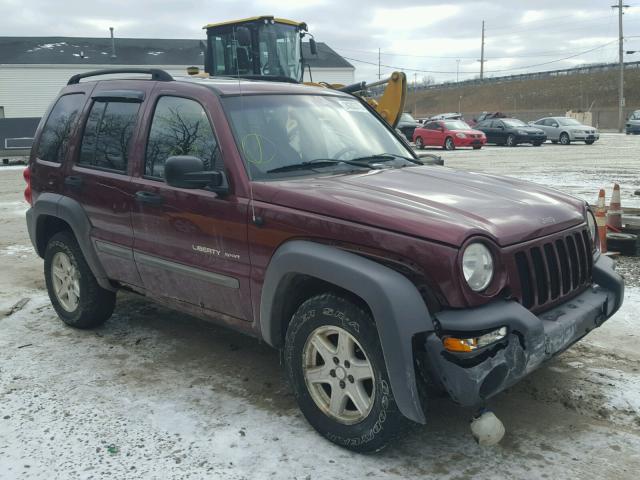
(636, 115)
(568, 121)
(512, 122)
(456, 125)
(274, 131)
(279, 47)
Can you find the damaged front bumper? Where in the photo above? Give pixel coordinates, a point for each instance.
(473, 377)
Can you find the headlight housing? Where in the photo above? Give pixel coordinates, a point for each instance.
(461, 135)
(593, 229)
(523, 132)
(477, 266)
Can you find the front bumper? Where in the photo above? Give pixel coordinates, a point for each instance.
(531, 138)
(470, 142)
(472, 378)
(585, 136)
(632, 128)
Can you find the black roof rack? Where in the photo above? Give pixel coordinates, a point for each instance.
(156, 74)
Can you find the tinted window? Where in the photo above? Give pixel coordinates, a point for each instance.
(544, 121)
(514, 122)
(180, 127)
(105, 143)
(496, 123)
(431, 126)
(54, 140)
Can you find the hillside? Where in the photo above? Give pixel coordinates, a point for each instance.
(533, 98)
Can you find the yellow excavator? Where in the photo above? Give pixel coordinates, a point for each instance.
(271, 48)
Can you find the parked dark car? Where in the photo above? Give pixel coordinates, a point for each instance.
(511, 132)
(407, 125)
(632, 126)
(243, 203)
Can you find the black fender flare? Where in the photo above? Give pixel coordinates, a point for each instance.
(398, 308)
(70, 211)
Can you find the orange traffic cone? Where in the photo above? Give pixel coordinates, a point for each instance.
(601, 221)
(614, 215)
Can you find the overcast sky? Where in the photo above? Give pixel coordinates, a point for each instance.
(427, 36)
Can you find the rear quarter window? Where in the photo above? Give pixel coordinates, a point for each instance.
(56, 133)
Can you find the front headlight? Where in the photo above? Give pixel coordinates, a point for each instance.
(593, 228)
(477, 266)
(461, 135)
(523, 132)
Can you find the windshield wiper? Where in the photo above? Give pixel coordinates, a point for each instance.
(382, 157)
(318, 163)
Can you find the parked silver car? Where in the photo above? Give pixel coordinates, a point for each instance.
(566, 130)
(633, 123)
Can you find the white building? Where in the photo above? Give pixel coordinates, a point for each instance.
(34, 69)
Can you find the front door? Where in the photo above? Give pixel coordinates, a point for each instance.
(190, 245)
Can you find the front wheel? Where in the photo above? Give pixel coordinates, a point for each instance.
(511, 141)
(449, 144)
(73, 290)
(564, 138)
(419, 143)
(335, 365)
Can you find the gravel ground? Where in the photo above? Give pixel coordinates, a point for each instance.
(157, 394)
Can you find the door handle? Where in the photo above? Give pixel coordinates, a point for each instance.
(149, 197)
(73, 181)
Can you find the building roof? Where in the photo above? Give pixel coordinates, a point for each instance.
(129, 51)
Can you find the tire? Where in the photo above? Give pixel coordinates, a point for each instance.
(419, 144)
(329, 317)
(589, 142)
(449, 144)
(564, 138)
(625, 243)
(511, 140)
(85, 304)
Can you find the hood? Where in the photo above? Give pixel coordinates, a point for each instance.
(434, 203)
(528, 129)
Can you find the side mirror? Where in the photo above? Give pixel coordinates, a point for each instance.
(313, 47)
(188, 172)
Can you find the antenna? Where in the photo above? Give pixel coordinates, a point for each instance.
(256, 220)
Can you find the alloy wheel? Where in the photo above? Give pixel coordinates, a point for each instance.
(66, 284)
(338, 375)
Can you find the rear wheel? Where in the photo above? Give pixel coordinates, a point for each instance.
(419, 143)
(335, 364)
(564, 138)
(449, 144)
(511, 140)
(73, 290)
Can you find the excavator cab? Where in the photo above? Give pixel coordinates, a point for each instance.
(257, 47)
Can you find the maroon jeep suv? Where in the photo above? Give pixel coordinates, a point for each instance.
(297, 215)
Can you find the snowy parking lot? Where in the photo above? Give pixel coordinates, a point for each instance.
(157, 394)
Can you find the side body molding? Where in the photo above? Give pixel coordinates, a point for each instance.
(398, 309)
(69, 210)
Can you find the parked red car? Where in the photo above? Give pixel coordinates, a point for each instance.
(448, 134)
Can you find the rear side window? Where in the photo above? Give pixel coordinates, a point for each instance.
(180, 127)
(56, 132)
(105, 143)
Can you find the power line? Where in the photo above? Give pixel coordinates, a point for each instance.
(524, 67)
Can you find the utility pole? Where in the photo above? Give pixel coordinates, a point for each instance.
(415, 95)
(457, 70)
(379, 76)
(482, 54)
(621, 102)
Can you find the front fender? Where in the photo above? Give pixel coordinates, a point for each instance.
(398, 308)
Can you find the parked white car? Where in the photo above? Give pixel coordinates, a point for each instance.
(566, 130)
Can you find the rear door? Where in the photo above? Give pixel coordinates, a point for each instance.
(190, 244)
(99, 177)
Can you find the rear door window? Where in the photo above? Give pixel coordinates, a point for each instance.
(56, 133)
(180, 126)
(107, 134)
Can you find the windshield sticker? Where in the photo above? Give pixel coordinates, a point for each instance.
(352, 106)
